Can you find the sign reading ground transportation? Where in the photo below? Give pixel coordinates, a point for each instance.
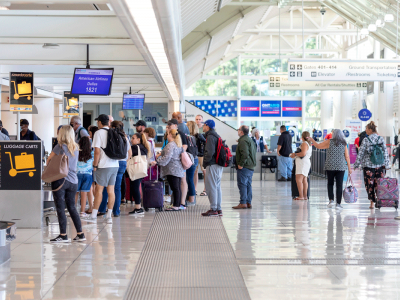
(250, 108)
(279, 81)
(20, 165)
(70, 105)
(343, 70)
(21, 91)
(271, 108)
(291, 108)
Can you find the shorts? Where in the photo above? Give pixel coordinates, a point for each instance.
(201, 164)
(84, 182)
(105, 176)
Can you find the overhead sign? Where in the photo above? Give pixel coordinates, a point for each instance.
(317, 133)
(250, 108)
(21, 91)
(343, 70)
(280, 82)
(271, 108)
(364, 114)
(71, 105)
(291, 108)
(20, 165)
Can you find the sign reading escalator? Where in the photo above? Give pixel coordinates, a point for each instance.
(21, 91)
(20, 165)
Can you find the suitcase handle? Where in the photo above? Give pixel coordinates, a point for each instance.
(23, 154)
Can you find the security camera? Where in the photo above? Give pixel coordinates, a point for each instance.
(322, 11)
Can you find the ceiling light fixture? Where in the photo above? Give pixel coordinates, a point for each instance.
(380, 23)
(372, 27)
(50, 46)
(4, 8)
(143, 14)
(389, 18)
(364, 31)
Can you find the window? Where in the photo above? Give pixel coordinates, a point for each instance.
(250, 87)
(226, 69)
(313, 108)
(250, 67)
(226, 87)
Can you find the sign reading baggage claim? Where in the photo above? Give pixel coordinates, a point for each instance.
(279, 81)
(343, 70)
(71, 105)
(21, 91)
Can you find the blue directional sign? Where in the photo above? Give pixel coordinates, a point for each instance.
(291, 132)
(317, 133)
(346, 133)
(364, 114)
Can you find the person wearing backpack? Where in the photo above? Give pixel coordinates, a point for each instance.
(80, 132)
(214, 171)
(373, 157)
(26, 134)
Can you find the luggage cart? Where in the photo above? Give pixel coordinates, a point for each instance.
(23, 163)
(24, 90)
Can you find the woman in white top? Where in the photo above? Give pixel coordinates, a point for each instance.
(303, 165)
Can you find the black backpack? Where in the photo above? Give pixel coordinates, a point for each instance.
(269, 162)
(192, 146)
(116, 144)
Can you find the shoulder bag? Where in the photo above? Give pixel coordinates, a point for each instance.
(137, 166)
(350, 193)
(187, 160)
(57, 169)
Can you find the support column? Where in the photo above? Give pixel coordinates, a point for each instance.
(326, 107)
(303, 110)
(346, 101)
(239, 89)
(44, 126)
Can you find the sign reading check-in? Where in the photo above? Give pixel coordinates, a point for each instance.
(343, 70)
(20, 165)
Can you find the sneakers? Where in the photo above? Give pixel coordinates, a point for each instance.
(330, 205)
(338, 206)
(282, 179)
(219, 213)
(80, 238)
(89, 218)
(190, 203)
(210, 213)
(83, 214)
(137, 211)
(60, 239)
(108, 220)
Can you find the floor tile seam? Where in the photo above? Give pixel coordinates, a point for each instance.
(27, 239)
(59, 278)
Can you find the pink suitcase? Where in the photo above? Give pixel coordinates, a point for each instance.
(387, 192)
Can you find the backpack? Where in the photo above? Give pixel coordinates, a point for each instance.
(224, 155)
(79, 133)
(377, 157)
(192, 147)
(116, 144)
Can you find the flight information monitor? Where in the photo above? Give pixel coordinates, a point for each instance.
(96, 82)
(133, 101)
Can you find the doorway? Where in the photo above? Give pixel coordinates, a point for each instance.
(87, 119)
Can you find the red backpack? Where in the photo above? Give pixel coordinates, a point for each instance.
(224, 155)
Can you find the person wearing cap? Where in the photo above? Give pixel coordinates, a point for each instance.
(26, 134)
(80, 132)
(140, 126)
(214, 171)
(3, 130)
(181, 126)
(105, 171)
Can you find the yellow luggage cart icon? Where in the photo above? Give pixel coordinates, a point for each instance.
(23, 163)
(72, 103)
(24, 90)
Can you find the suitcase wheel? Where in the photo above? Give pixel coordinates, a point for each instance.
(146, 209)
(160, 209)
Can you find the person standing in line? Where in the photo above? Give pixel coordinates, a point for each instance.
(65, 196)
(357, 142)
(171, 166)
(181, 126)
(138, 140)
(140, 126)
(213, 170)
(3, 130)
(303, 166)
(150, 134)
(285, 163)
(105, 171)
(191, 172)
(26, 134)
(371, 170)
(336, 163)
(201, 141)
(245, 164)
(259, 141)
(76, 124)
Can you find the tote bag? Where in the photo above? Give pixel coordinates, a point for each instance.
(137, 166)
(187, 160)
(57, 169)
(350, 193)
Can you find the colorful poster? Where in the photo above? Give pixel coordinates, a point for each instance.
(250, 108)
(352, 153)
(355, 128)
(71, 105)
(227, 108)
(209, 106)
(291, 108)
(21, 91)
(271, 108)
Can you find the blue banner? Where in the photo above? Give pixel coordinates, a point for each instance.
(291, 108)
(227, 108)
(209, 106)
(271, 108)
(250, 108)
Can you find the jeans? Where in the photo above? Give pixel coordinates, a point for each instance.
(62, 197)
(134, 189)
(190, 178)
(213, 186)
(117, 191)
(339, 175)
(244, 180)
(285, 166)
(175, 184)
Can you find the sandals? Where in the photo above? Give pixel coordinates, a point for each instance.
(203, 193)
(172, 209)
(89, 212)
(297, 198)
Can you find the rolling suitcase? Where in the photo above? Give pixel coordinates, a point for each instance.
(153, 194)
(295, 190)
(387, 193)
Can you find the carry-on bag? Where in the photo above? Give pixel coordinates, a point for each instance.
(57, 169)
(153, 194)
(350, 193)
(387, 192)
(137, 166)
(295, 190)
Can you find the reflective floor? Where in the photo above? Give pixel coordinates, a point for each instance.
(284, 249)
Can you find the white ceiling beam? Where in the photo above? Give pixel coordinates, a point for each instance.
(309, 18)
(66, 40)
(299, 31)
(58, 13)
(272, 3)
(264, 50)
(286, 40)
(356, 44)
(332, 42)
(72, 62)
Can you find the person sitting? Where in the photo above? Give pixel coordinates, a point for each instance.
(259, 141)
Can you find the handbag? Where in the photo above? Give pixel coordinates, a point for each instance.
(350, 193)
(57, 169)
(137, 166)
(187, 160)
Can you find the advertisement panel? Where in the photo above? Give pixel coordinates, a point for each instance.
(343, 70)
(227, 108)
(21, 91)
(355, 128)
(250, 108)
(291, 108)
(209, 106)
(70, 105)
(271, 108)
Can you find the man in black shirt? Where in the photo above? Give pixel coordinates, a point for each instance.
(285, 163)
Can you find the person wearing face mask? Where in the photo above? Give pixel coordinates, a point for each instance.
(26, 134)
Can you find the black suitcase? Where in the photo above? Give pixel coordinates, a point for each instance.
(153, 194)
(295, 190)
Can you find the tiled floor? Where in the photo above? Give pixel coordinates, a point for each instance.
(285, 250)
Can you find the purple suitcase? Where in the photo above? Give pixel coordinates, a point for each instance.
(153, 194)
(387, 193)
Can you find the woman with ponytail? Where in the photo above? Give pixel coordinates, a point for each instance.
(170, 161)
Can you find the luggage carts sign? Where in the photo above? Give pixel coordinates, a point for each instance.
(343, 70)
(21, 91)
(70, 105)
(20, 165)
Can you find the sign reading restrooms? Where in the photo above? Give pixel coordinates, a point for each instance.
(343, 70)
(71, 105)
(21, 91)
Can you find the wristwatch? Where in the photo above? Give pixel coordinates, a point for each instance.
(96, 167)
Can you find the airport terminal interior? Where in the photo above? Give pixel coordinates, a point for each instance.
(251, 149)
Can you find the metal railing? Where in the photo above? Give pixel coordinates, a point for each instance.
(318, 158)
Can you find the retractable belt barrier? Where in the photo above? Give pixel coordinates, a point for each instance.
(318, 162)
